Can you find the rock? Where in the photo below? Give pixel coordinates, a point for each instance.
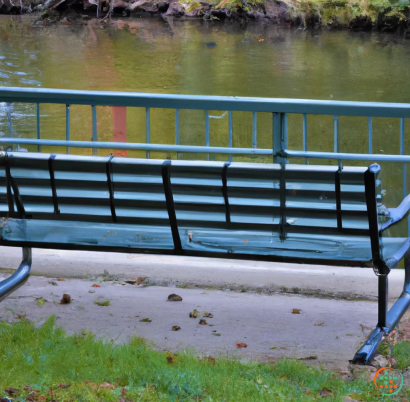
(85, 17)
(162, 6)
(349, 399)
(381, 361)
(136, 5)
(174, 297)
(175, 10)
(388, 23)
(120, 4)
(221, 13)
(362, 23)
(358, 371)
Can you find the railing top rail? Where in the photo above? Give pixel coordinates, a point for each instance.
(135, 99)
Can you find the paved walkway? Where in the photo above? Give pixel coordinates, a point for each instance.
(338, 282)
(327, 330)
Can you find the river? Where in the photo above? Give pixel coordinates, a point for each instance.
(208, 58)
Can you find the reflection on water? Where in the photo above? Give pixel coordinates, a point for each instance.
(191, 57)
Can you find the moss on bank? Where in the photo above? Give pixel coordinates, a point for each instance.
(384, 15)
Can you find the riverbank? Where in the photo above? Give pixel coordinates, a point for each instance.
(366, 15)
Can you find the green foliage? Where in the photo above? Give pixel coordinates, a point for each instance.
(102, 303)
(84, 368)
(401, 352)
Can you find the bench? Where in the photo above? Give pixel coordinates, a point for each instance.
(273, 212)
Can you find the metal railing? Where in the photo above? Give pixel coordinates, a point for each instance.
(279, 108)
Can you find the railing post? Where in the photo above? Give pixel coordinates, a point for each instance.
(207, 131)
(177, 129)
(38, 126)
(305, 136)
(67, 125)
(230, 133)
(280, 137)
(148, 128)
(94, 125)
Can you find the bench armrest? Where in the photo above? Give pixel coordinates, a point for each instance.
(396, 214)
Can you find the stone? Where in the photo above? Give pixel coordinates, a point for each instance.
(174, 297)
(358, 371)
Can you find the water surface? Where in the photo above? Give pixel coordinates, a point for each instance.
(208, 58)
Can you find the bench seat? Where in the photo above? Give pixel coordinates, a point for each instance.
(259, 244)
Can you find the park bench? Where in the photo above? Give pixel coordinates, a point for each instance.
(274, 212)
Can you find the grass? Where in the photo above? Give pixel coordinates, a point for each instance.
(401, 352)
(102, 303)
(45, 364)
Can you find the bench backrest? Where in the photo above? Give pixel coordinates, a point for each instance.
(141, 205)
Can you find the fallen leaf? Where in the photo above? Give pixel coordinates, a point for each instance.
(296, 311)
(96, 285)
(53, 283)
(241, 345)
(245, 240)
(211, 360)
(137, 280)
(209, 315)
(193, 314)
(20, 316)
(66, 299)
(12, 392)
(106, 385)
(170, 358)
(325, 392)
(349, 334)
(313, 357)
(60, 279)
(28, 388)
(176, 328)
(145, 320)
(355, 397)
(273, 348)
(319, 324)
(216, 333)
(40, 301)
(308, 392)
(63, 386)
(174, 297)
(202, 322)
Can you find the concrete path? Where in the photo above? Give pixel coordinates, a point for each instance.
(326, 331)
(337, 282)
(251, 302)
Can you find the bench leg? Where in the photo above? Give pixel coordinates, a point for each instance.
(20, 277)
(387, 320)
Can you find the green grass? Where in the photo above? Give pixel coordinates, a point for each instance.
(48, 364)
(401, 352)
